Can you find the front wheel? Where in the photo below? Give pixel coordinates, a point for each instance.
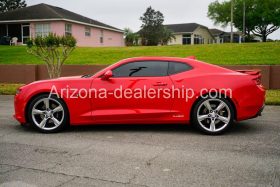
(213, 115)
(48, 113)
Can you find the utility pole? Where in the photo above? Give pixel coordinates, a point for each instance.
(244, 20)
(231, 22)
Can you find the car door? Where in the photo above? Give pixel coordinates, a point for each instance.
(180, 73)
(135, 94)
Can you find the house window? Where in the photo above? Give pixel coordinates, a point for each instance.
(101, 36)
(42, 29)
(187, 39)
(198, 39)
(68, 29)
(87, 31)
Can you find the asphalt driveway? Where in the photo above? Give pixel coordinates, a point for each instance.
(167, 155)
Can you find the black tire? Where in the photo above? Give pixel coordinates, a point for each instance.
(53, 101)
(202, 125)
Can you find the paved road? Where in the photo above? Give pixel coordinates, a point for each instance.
(248, 155)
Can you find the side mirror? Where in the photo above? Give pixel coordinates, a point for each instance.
(107, 75)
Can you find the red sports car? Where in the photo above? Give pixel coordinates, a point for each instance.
(144, 90)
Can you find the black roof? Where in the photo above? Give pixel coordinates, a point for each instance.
(184, 27)
(45, 11)
(216, 31)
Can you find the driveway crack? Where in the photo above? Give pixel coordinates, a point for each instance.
(10, 170)
(70, 175)
(67, 181)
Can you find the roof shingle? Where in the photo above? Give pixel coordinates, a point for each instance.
(45, 11)
(216, 31)
(184, 27)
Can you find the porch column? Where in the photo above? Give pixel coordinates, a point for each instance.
(218, 40)
(7, 30)
(192, 39)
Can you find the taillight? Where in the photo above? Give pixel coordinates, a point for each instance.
(258, 81)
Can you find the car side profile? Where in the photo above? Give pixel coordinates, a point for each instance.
(144, 90)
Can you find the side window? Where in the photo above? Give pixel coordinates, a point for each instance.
(178, 67)
(87, 31)
(142, 69)
(42, 29)
(101, 39)
(68, 29)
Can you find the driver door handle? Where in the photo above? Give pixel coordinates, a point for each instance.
(160, 84)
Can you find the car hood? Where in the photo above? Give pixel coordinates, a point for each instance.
(67, 78)
(54, 80)
(59, 79)
(63, 78)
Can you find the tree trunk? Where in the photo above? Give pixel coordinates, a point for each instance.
(53, 71)
(264, 37)
(248, 37)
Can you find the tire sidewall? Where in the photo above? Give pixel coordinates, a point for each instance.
(65, 121)
(198, 126)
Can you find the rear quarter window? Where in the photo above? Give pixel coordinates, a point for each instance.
(178, 67)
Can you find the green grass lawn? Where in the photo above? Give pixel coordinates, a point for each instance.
(272, 96)
(9, 89)
(221, 54)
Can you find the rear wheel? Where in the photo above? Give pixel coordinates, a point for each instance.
(48, 113)
(213, 115)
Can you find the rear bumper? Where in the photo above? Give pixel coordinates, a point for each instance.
(251, 103)
(259, 112)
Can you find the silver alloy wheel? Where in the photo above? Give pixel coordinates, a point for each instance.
(47, 113)
(213, 115)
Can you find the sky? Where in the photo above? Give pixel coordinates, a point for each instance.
(126, 13)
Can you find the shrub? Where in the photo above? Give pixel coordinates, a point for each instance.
(53, 50)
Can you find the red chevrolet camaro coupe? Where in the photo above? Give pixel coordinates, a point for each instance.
(144, 90)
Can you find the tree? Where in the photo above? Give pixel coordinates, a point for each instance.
(166, 36)
(266, 18)
(53, 50)
(131, 38)
(152, 27)
(7, 5)
(262, 16)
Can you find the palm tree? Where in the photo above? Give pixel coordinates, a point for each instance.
(167, 36)
(131, 38)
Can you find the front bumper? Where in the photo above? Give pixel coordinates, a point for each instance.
(19, 109)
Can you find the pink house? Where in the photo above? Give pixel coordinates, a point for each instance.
(42, 19)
